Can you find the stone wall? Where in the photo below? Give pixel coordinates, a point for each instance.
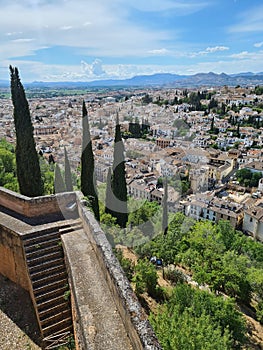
(12, 263)
(36, 206)
(133, 315)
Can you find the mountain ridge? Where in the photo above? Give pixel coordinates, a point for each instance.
(160, 80)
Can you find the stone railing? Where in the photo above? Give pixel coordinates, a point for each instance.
(36, 206)
(13, 263)
(133, 316)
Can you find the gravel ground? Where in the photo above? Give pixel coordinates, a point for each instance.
(18, 325)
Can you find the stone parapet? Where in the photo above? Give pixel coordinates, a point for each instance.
(12, 264)
(134, 318)
(36, 206)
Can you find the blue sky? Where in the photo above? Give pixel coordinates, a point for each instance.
(84, 40)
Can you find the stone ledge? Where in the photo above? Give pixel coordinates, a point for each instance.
(140, 331)
(36, 206)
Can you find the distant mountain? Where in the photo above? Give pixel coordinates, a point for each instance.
(174, 80)
(4, 83)
(159, 80)
(246, 74)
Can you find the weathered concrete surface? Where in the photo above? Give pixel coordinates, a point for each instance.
(12, 260)
(107, 312)
(36, 206)
(98, 318)
(133, 316)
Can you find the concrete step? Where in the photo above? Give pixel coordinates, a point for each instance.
(57, 317)
(47, 287)
(50, 303)
(46, 265)
(60, 327)
(42, 245)
(59, 306)
(72, 228)
(40, 237)
(41, 251)
(50, 278)
(41, 298)
(38, 275)
(45, 258)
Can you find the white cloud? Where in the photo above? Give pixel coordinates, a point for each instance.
(216, 48)
(101, 29)
(242, 55)
(94, 69)
(258, 44)
(160, 52)
(23, 40)
(66, 27)
(209, 50)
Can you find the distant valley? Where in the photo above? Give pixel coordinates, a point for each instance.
(158, 80)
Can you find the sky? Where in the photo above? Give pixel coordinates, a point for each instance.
(85, 40)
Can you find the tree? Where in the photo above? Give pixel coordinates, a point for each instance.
(165, 209)
(145, 278)
(68, 175)
(212, 124)
(119, 186)
(27, 162)
(88, 181)
(195, 319)
(59, 185)
(109, 194)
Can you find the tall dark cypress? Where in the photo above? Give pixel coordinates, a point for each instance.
(68, 175)
(59, 184)
(165, 209)
(27, 162)
(88, 180)
(109, 194)
(119, 186)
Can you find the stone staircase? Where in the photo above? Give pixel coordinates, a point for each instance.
(48, 275)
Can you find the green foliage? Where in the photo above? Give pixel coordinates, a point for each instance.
(174, 276)
(217, 255)
(142, 217)
(59, 184)
(146, 99)
(67, 295)
(68, 175)
(259, 311)
(165, 209)
(118, 183)
(194, 319)
(48, 175)
(248, 178)
(109, 194)
(145, 278)
(27, 162)
(8, 166)
(259, 90)
(126, 264)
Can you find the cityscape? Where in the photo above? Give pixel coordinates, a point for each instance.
(131, 175)
(203, 145)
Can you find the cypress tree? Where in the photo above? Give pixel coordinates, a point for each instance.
(59, 184)
(108, 199)
(165, 209)
(68, 176)
(119, 186)
(27, 161)
(88, 181)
